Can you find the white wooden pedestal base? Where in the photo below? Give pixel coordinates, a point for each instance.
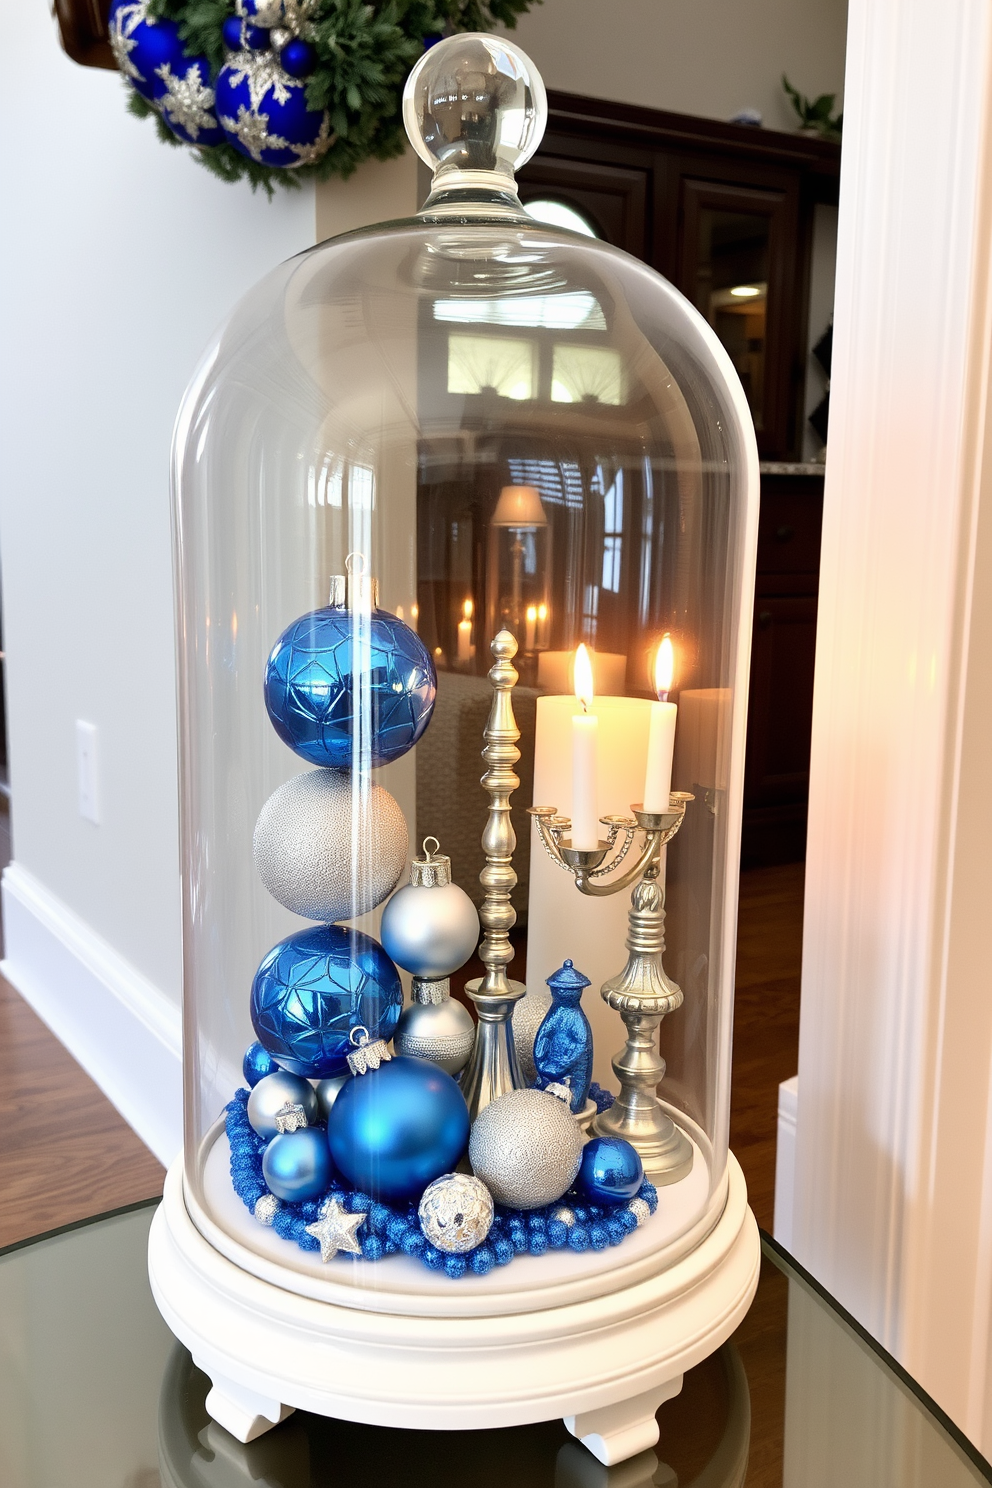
(603, 1364)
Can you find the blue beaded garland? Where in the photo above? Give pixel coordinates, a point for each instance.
(297, 1165)
(313, 988)
(610, 1171)
(153, 58)
(395, 1129)
(257, 1063)
(309, 686)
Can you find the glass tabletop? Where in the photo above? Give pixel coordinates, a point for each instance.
(96, 1393)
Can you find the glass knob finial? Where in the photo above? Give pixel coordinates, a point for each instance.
(474, 103)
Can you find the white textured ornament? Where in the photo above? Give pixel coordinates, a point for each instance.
(317, 859)
(526, 1147)
(528, 1015)
(456, 1212)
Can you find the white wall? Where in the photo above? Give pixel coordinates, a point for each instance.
(708, 57)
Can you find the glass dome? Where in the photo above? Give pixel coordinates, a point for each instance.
(419, 468)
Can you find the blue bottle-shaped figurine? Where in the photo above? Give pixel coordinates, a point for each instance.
(563, 1046)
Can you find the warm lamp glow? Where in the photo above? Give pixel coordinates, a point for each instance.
(582, 673)
(520, 507)
(664, 668)
(745, 291)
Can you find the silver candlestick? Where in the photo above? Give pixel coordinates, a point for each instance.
(492, 1069)
(643, 993)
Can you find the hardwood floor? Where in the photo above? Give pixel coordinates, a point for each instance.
(65, 1153)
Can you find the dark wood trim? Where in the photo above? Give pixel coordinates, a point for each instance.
(84, 31)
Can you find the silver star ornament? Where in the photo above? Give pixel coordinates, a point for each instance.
(335, 1229)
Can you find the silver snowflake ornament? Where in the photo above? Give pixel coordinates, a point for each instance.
(252, 131)
(335, 1229)
(187, 101)
(309, 155)
(122, 40)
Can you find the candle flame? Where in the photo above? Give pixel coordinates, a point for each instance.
(664, 668)
(582, 673)
(468, 609)
(542, 613)
(532, 614)
(414, 612)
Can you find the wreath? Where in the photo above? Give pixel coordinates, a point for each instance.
(282, 90)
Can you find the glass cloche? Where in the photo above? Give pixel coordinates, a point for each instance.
(457, 497)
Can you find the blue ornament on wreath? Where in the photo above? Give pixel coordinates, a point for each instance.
(264, 115)
(151, 56)
(398, 1124)
(563, 1046)
(309, 685)
(313, 988)
(611, 1170)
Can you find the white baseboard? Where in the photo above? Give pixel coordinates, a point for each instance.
(124, 1032)
(785, 1160)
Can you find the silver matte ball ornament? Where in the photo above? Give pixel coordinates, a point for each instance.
(316, 858)
(435, 1027)
(526, 1147)
(327, 1092)
(271, 1095)
(430, 927)
(456, 1212)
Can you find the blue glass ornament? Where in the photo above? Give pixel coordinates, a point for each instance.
(264, 115)
(257, 1063)
(231, 32)
(298, 58)
(152, 57)
(563, 1046)
(611, 1170)
(395, 1129)
(297, 1165)
(313, 988)
(309, 685)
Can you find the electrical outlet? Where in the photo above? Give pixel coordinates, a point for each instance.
(86, 763)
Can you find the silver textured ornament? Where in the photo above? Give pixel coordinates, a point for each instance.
(435, 1027)
(430, 927)
(456, 1212)
(528, 1015)
(272, 1095)
(316, 858)
(640, 1210)
(526, 1147)
(266, 1208)
(327, 1092)
(336, 1229)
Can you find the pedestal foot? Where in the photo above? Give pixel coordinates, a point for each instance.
(615, 1432)
(242, 1412)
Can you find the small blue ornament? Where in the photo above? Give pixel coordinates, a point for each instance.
(313, 988)
(297, 1165)
(309, 683)
(563, 1046)
(298, 58)
(396, 1128)
(232, 33)
(611, 1170)
(257, 1063)
(152, 57)
(264, 115)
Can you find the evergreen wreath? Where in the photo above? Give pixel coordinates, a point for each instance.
(316, 84)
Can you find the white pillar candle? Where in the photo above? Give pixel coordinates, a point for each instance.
(530, 628)
(585, 738)
(465, 634)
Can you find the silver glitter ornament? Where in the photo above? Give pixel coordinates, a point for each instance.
(272, 1096)
(327, 1092)
(526, 1147)
(316, 858)
(528, 1015)
(336, 1229)
(430, 927)
(456, 1212)
(639, 1209)
(435, 1027)
(266, 1208)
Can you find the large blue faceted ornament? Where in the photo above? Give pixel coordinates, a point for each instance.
(563, 1046)
(611, 1170)
(395, 1129)
(297, 1165)
(263, 113)
(313, 988)
(150, 53)
(310, 687)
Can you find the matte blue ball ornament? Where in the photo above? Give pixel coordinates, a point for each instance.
(151, 56)
(298, 58)
(563, 1046)
(611, 1170)
(309, 684)
(264, 115)
(297, 1165)
(257, 1063)
(313, 988)
(398, 1125)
